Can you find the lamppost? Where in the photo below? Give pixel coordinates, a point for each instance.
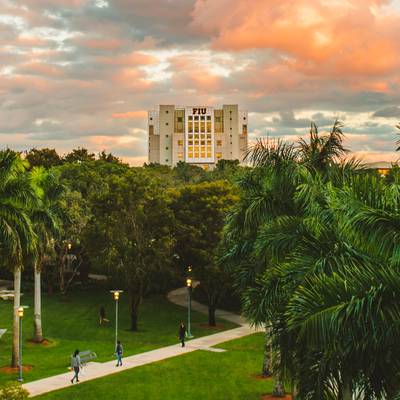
(189, 283)
(116, 294)
(20, 311)
(69, 247)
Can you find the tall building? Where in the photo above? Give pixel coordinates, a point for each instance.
(197, 134)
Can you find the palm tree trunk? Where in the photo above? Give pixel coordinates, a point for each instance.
(38, 334)
(266, 368)
(211, 315)
(347, 394)
(279, 389)
(17, 303)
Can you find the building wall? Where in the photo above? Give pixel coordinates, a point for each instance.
(197, 135)
(166, 127)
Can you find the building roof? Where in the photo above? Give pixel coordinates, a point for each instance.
(379, 165)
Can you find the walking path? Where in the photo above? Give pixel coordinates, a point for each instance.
(97, 370)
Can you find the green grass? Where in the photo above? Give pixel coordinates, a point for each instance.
(71, 322)
(194, 376)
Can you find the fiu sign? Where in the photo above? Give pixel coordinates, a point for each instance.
(199, 111)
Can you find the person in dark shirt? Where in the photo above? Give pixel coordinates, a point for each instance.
(182, 333)
(103, 315)
(118, 353)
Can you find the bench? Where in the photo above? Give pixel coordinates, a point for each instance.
(2, 332)
(7, 294)
(87, 356)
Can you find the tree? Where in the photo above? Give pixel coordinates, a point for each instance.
(17, 238)
(188, 173)
(108, 157)
(79, 155)
(131, 230)
(319, 265)
(200, 211)
(284, 190)
(69, 250)
(322, 150)
(46, 217)
(45, 157)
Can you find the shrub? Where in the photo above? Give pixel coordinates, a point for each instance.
(13, 391)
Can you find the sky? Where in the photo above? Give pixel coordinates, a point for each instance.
(83, 73)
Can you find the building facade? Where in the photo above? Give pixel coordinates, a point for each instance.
(197, 135)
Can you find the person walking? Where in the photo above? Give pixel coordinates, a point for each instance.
(182, 333)
(75, 365)
(118, 351)
(103, 315)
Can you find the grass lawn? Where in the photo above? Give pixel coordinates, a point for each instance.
(71, 322)
(194, 376)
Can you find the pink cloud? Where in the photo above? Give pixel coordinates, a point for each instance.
(318, 37)
(130, 115)
(39, 68)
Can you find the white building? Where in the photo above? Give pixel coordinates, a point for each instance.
(198, 135)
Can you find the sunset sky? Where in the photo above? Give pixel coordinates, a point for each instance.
(85, 72)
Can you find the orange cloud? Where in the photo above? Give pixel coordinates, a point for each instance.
(101, 44)
(42, 69)
(130, 115)
(321, 37)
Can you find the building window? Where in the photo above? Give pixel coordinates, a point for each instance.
(151, 129)
(166, 135)
(203, 117)
(166, 123)
(230, 128)
(244, 118)
(166, 148)
(219, 155)
(180, 155)
(180, 142)
(217, 119)
(179, 119)
(244, 129)
(208, 117)
(166, 160)
(190, 117)
(230, 119)
(151, 118)
(196, 117)
(219, 142)
(166, 112)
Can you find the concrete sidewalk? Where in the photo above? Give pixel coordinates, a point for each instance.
(97, 370)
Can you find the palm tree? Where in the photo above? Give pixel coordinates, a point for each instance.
(266, 193)
(17, 238)
(281, 232)
(322, 150)
(46, 218)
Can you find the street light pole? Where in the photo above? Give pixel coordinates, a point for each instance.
(20, 312)
(116, 294)
(189, 287)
